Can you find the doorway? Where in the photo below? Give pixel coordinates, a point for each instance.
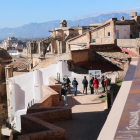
(117, 34)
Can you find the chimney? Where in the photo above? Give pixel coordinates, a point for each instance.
(122, 18)
(133, 14)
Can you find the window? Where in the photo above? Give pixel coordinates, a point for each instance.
(108, 34)
(93, 40)
(117, 34)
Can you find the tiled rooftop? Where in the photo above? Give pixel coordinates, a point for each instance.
(4, 55)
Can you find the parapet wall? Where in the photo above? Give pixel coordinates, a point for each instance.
(102, 47)
(110, 127)
(126, 42)
(78, 56)
(52, 60)
(129, 44)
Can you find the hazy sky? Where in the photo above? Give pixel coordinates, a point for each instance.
(15, 13)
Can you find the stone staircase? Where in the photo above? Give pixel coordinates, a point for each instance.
(23, 66)
(50, 38)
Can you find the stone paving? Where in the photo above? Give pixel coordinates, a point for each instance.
(88, 117)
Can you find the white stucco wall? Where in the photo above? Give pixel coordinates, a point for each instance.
(127, 43)
(124, 31)
(14, 53)
(65, 72)
(21, 92)
(27, 87)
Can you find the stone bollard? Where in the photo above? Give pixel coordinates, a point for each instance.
(109, 99)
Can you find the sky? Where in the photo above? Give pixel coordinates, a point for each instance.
(15, 13)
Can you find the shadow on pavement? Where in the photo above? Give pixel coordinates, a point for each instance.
(84, 126)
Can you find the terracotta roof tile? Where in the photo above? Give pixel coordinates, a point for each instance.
(16, 64)
(4, 55)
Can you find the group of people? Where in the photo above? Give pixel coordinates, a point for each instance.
(66, 88)
(105, 83)
(66, 84)
(93, 84)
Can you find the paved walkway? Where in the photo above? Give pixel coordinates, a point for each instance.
(88, 117)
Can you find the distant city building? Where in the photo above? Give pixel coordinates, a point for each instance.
(56, 42)
(14, 53)
(108, 46)
(13, 43)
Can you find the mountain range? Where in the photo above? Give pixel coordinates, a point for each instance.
(40, 30)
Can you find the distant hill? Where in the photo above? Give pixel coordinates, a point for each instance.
(40, 30)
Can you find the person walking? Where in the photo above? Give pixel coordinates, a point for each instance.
(96, 85)
(91, 84)
(75, 83)
(64, 80)
(102, 82)
(68, 84)
(85, 84)
(106, 84)
(67, 81)
(63, 91)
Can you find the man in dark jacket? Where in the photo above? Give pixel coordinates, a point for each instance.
(67, 81)
(102, 82)
(75, 83)
(85, 84)
(64, 80)
(63, 91)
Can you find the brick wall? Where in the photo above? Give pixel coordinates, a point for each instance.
(56, 88)
(40, 109)
(32, 130)
(52, 81)
(78, 56)
(102, 47)
(31, 125)
(51, 96)
(51, 116)
(54, 135)
(85, 55)
(46, 101)
(36, 125)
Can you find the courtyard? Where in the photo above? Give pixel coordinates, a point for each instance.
(88, 117)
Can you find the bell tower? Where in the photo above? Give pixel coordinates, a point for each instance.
(63, 23)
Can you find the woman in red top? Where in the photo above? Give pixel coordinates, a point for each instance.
(95, 84)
